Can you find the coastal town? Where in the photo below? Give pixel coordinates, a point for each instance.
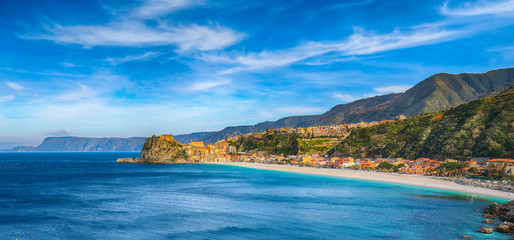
(328, 136)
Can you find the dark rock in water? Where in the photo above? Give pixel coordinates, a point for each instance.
(504, 228)
(505, 212)
(486, 230)
(493, 209)
(490, 221)
(508, 216)
(127, 160)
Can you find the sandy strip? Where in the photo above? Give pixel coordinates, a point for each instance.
(414, 180)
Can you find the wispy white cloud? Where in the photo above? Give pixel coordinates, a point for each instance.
(360, 43)
(208, 84)
(392, 89)
(350, 4)
(344, 97)
(151, 9)
(505, 8)
(70, 65)
(144, 56)
(137, 34)
(132, 30)
(83, 92)
(13, 85)
(195, 37)
(6, 98)
(365, 42)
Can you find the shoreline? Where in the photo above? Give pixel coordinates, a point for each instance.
(404, 179)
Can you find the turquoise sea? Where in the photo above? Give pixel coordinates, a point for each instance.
(90, 196)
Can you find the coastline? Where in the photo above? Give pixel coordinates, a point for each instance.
(404, 179)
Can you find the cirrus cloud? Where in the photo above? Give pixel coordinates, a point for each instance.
(13, 85)
(137, 34)
(480, 8)
(198, 86)
(6, 98)
(392, 89)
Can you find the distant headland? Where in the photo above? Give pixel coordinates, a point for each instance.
(85, 144)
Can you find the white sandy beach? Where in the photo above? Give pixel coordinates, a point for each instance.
(414, 180)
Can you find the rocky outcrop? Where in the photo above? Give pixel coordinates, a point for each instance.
(503, 211)
(489, 221)
(493, 209)
(505, 227)
(486, 230)
(160, 150)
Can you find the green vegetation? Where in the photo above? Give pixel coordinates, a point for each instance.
(450, 169)
(275, 143)
(497, 172)
(481, 128)
(317, 145)
(389, 166)
(285, 143)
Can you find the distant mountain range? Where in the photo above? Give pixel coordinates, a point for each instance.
(438, 92)
(83, 144)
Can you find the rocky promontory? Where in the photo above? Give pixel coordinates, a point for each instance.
(159, 150)
(505, 212)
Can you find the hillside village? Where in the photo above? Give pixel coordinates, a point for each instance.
(225, 151)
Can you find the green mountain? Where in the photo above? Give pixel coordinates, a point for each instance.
(438, 92)
(345, 113)
(481, 128)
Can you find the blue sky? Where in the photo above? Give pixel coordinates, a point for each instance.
(137, 68)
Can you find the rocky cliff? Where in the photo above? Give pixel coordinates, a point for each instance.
(159, 149)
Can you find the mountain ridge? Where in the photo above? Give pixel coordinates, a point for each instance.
(480, 128)
(437, 92)
(85, 144)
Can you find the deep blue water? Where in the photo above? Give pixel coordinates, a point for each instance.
(90, 196)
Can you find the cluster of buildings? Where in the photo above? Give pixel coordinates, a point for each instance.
(199, 152)
(342, 130)
(222, 151)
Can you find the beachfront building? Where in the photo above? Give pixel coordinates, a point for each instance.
(508, 163)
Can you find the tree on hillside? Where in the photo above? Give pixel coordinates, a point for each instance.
(451, 169)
